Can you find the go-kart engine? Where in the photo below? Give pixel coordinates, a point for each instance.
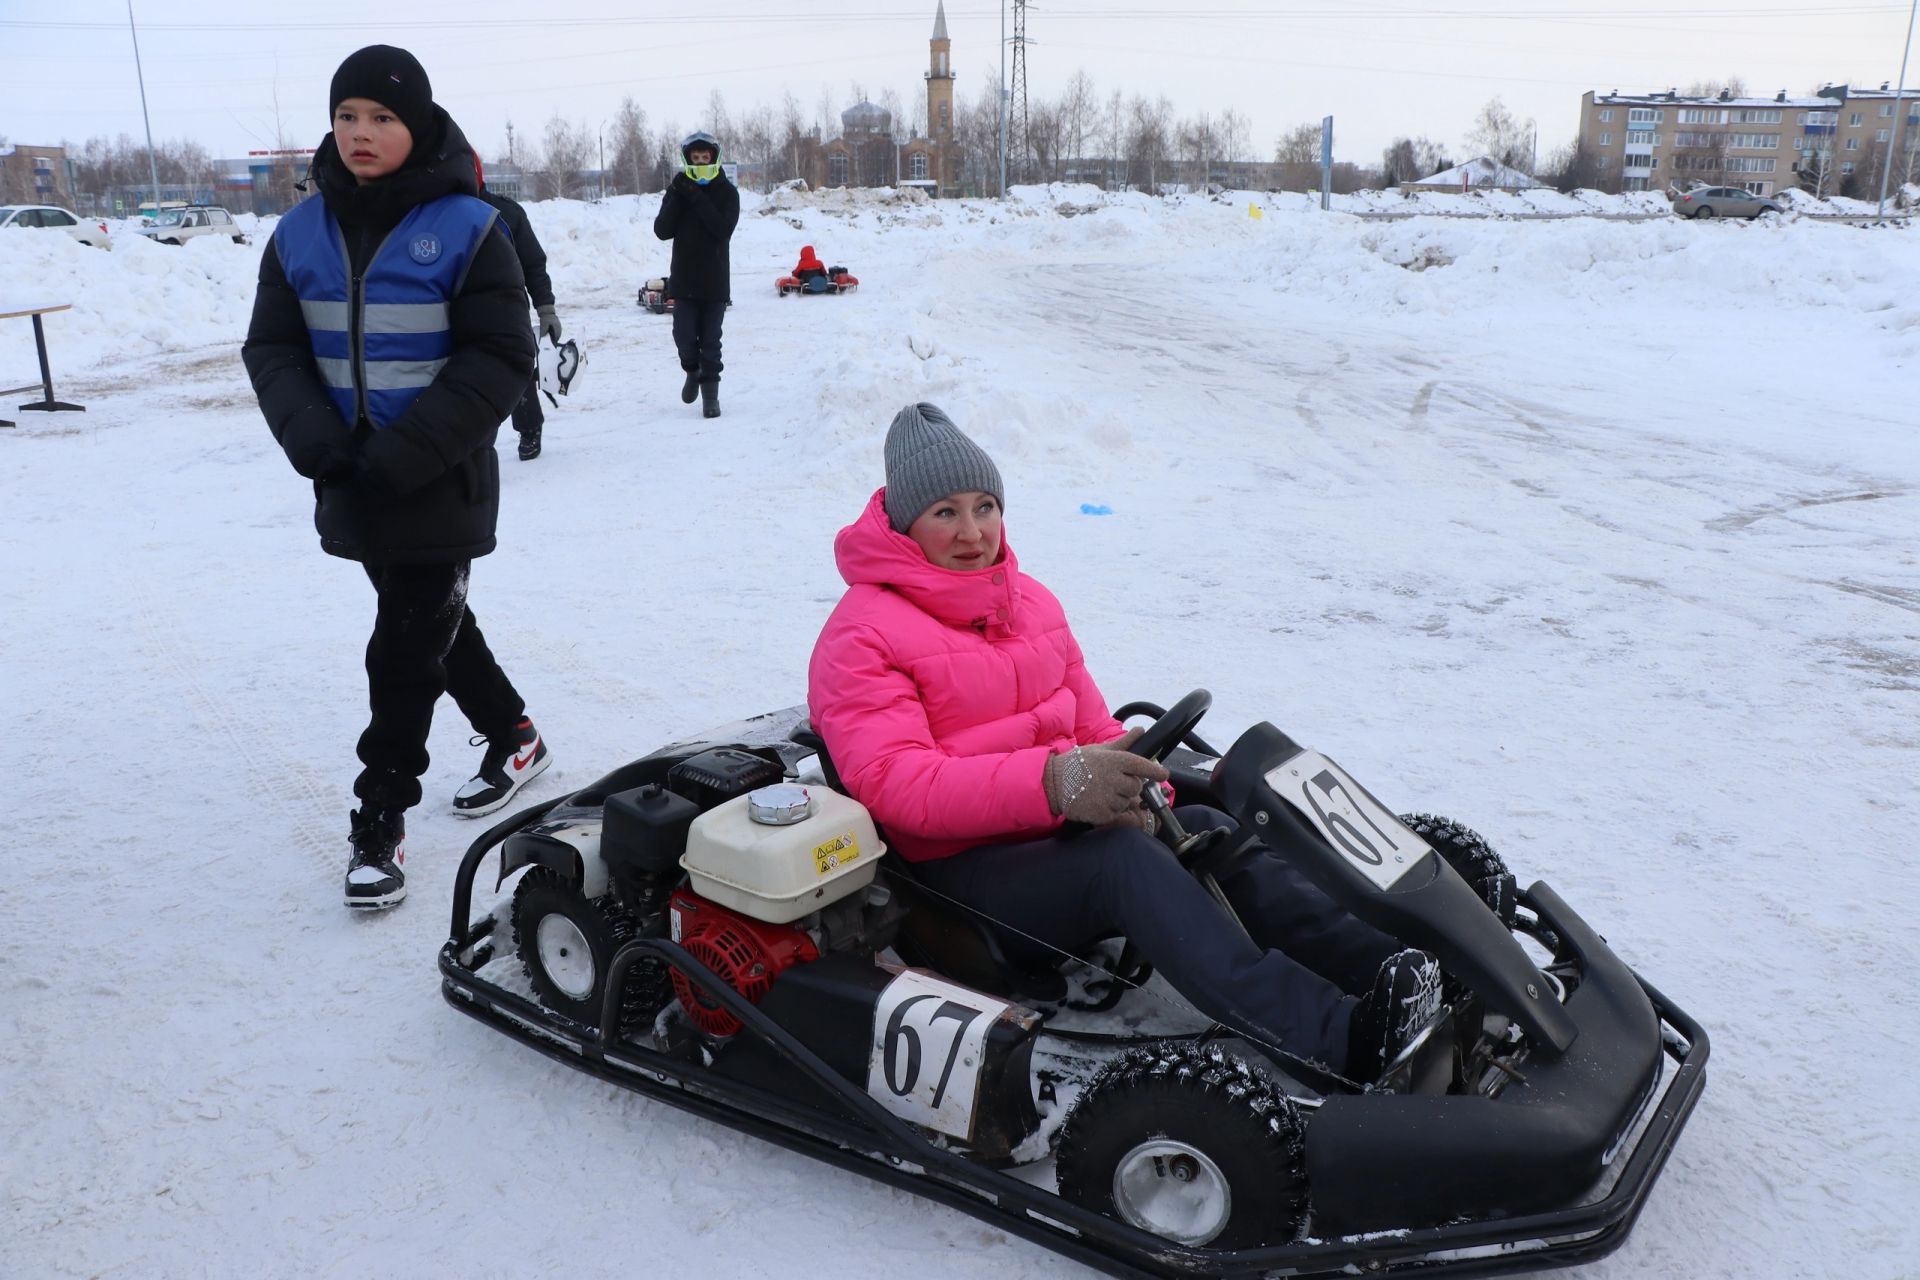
(746, 954)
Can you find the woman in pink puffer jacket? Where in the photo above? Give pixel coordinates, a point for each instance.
(957, 708)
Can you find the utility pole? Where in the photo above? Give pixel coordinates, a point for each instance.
(1894, 138)
(153, 166)
(603, 162)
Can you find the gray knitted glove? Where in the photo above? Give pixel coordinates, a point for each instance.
(549, 323)
(1100, 785)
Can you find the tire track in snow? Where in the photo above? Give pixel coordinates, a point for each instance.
(267, 770)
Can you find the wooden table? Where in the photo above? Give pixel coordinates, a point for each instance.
(46, 404)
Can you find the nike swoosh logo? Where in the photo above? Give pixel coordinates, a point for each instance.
(533, 749)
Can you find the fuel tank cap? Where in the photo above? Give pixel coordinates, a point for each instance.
(780, 805)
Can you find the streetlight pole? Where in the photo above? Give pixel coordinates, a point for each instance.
(1899, 112)
(152, 165)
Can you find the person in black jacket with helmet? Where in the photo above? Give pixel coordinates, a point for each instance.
(389, 339)
(528, 416)
(698, 213)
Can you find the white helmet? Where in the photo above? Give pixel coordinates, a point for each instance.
(559, 366)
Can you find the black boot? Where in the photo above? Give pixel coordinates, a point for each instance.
(1405, 999)
(709, 399)
(378, 838)
(529, 445)
(690, 389)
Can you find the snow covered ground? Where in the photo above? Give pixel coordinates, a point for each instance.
(1597, 535)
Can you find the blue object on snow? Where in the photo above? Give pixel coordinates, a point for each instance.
(1090, 509)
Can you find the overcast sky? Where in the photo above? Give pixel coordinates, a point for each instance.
(215, 68)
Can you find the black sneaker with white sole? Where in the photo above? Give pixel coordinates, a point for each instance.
(508, 765)
(1404, 1002)
(375, 877)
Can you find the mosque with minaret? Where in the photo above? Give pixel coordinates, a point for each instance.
(865, 154)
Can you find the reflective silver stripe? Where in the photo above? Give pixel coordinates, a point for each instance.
(401, 375)
(407, 317)
(325, 315)
(336, 373)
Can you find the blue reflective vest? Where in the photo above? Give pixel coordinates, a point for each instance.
(380, 339)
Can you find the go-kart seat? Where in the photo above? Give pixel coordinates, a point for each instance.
(938, 934)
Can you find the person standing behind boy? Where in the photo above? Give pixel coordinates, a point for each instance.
(698, 213)
(528, 416)
(389, 339)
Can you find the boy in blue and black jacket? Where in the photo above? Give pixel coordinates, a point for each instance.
(389, 339)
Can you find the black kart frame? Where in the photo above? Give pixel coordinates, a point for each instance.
(859, 1135)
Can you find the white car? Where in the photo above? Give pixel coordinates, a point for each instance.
(47, 215)
(177, 226)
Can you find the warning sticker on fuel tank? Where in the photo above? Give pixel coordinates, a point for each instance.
(835, 853)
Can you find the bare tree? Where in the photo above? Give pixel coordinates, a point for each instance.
(1077, 112)
(1149, 143)
(758, 143)
(1114, 140)
(1409, 159)
(565, 150)
(1574, 167)
(1298, 145)
(632, 149)
(717, 122)
(1296, 159)
(1732, 87)
(1046, 133)
(1235, 133)
(1498, 133)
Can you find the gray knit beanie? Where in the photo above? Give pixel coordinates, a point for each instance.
(927, 459)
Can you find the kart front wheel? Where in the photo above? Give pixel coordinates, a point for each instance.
(1190, 1144)
(1468, 853)
(567, 942)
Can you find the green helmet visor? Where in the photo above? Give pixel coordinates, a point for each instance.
(703, 172)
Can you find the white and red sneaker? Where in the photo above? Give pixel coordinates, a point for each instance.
(378, 838)
(507, 766)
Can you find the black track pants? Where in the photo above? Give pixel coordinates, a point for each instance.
(425, 642)
(696, 333)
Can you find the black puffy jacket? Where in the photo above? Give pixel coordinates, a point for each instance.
(533, 258)
(700, 222)
(426, 489)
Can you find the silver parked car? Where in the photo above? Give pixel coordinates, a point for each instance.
(1722, 202)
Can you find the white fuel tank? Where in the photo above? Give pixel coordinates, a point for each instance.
(782, 852)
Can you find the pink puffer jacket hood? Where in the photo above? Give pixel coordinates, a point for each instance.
(941, 694)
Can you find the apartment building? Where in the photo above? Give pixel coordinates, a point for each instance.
(1830, 143)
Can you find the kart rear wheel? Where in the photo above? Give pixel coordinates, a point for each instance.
(1190, 1144)
(567, 942)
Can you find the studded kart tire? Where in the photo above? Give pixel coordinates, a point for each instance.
(1190, 1144)
(1470, 855)
(567, 942)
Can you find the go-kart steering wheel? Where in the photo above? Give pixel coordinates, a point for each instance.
(1174, 724)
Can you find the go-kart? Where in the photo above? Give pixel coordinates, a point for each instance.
(834, 280)
(719, 926)
(653, 296)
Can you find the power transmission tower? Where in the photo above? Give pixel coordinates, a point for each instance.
(1020, 143)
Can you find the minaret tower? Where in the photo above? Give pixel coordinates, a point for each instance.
(940, 78)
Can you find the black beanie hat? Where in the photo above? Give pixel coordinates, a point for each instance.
(391, 77)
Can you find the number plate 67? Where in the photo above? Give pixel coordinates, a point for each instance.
(929, 1045)
(1362, 829)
